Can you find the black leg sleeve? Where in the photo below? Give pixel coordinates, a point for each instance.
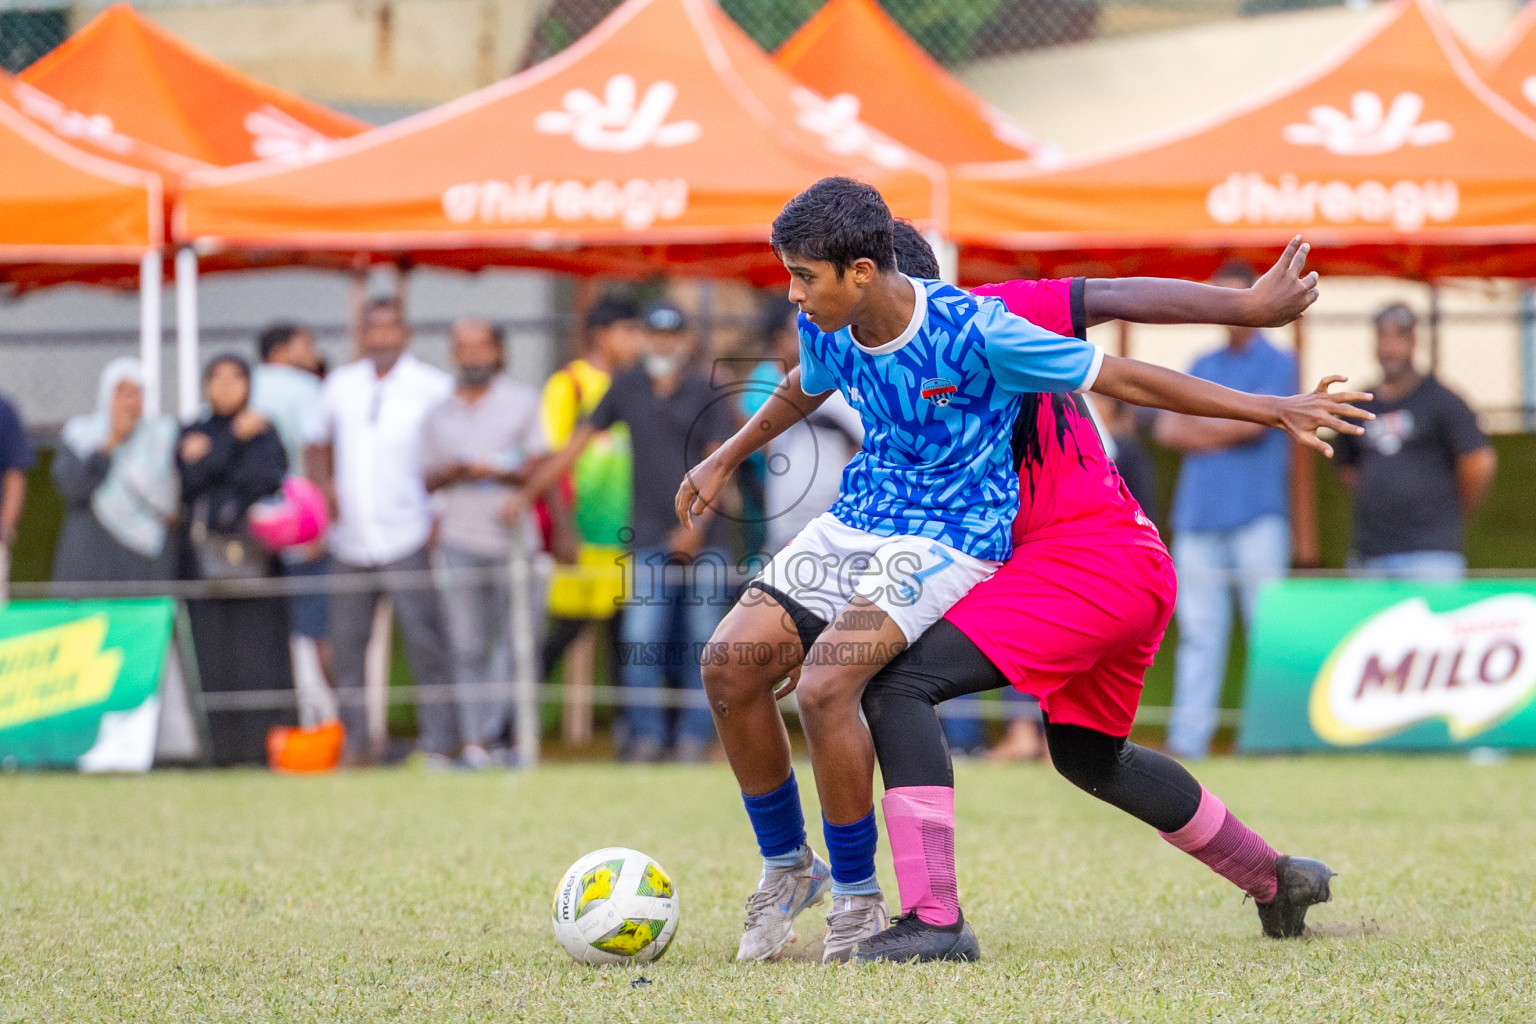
(900, 704)
(1141, 782)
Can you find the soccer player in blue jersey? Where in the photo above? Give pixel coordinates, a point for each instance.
(925, 514)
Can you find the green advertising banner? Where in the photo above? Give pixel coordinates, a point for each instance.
(1376, 665)
(79, 682)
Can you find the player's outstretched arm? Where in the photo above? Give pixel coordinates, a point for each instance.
(1280, 296)
(788, 405)
(1301, 416)
(547, 472)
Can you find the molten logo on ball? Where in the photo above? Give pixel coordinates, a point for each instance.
(615, 906)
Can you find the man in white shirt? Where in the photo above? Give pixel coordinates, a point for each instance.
(478, 448)
(368, 460)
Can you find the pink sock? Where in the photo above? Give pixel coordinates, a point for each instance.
(1234, 851)
(920, 824)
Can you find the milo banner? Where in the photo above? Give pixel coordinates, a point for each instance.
(82, 684)
(1356, 664)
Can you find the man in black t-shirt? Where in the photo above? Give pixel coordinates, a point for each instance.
(678, 583)
(1420, 467)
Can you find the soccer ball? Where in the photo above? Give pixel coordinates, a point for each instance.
(615, 906)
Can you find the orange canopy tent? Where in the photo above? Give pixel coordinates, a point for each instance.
(1511, 62)
(126, 87)
(92, 133)
(855, 53)
(663, 140)
(61, 207)
(124, 76)
(1392, 156)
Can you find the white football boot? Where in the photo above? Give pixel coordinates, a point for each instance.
(852, 920)
(782, 893)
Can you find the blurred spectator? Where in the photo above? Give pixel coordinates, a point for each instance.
(15, 461)
(116, 471)
(229, 459)
(675, 418)
(581, 597)
(368, 461)
(285, 388)
(478, 447)
(681, 584)
(804, 465)
(1420, 468)
(1230, 518)
(1121, 426)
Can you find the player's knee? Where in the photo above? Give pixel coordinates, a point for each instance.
(719, 679)
(824, 696)
(1090, 766)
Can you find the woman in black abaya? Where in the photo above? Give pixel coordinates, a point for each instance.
(230, 459)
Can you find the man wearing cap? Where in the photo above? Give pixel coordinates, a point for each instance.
(677, 581)
(582, 596)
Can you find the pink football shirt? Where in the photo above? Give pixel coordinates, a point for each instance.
(1067, 483)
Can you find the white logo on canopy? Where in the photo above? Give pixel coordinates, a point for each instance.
(72, 124)
(1370, 128)
(276, 135)
(621, 121)
(837, 122)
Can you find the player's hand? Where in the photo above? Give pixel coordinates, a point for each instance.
(787, 685)
(1302, 416)
(700, 488)
(1284, 292)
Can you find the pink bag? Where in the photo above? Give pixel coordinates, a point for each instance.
(297, 515)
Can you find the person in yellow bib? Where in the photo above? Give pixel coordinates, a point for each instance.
(588, 592)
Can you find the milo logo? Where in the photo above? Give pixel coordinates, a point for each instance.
(1472, 667)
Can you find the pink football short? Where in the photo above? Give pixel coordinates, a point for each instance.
(1074, 623)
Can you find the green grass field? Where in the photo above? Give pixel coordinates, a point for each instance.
(397, 895)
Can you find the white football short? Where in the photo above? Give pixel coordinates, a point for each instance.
(914, 580)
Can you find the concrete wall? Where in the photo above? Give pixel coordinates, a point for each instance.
(1089, 95)
(394, 53)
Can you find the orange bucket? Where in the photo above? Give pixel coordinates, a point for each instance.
(316, 749)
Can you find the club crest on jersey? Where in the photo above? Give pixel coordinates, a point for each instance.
(938, 390)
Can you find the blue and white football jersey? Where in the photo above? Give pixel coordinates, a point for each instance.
(938, 405)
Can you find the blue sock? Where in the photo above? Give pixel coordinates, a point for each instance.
(851, 849)
(779, 823)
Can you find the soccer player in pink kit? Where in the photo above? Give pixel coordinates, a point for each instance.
(1074, 617)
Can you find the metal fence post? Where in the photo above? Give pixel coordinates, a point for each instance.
(525, 670)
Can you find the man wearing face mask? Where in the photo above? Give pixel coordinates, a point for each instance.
(677, 584)
(478, 447)
(367, 458)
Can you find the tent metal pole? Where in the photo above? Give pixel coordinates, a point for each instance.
(1527, 319)
(149, 330)
(1306, 547)
(524, 635)
(186, 334)
(948, 254)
